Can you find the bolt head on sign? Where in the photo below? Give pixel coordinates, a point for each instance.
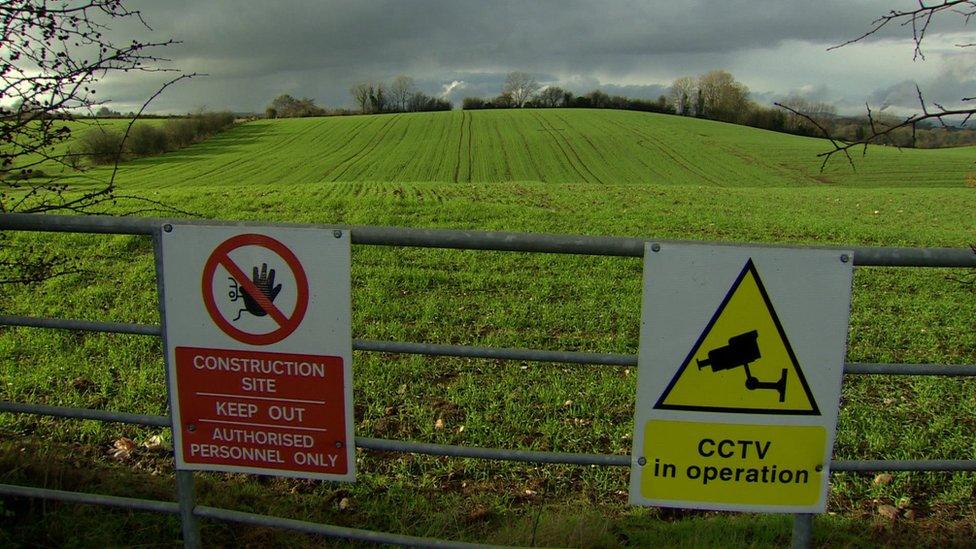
(741, 358)
(259, 349)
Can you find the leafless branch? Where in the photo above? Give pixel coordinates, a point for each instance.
(878, 131)
(918, 19)
(53, 55)
(839, 146)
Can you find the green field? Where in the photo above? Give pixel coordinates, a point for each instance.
(551, 146)
(558, 171)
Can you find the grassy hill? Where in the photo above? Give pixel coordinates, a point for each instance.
(554, 146)
(567, 171)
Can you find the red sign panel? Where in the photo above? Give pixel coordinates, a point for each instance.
(262, 410)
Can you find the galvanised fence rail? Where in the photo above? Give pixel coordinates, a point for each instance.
(185, 505)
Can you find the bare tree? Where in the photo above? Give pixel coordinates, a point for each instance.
(722, 96)
(360, 93)
(521, 87)
(503, 101)
(53, 55)
(378, 101)
(681, 95)
(919, 20)
(552, 96)
(400, 91)
(816, 110)
(286, 106)
(371, 97)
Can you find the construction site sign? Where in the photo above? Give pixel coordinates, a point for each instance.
(741, 358)
(259, 349)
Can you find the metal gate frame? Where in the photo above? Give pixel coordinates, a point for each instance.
(185, 505)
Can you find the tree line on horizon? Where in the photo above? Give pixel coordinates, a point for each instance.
(521, 90)
(714, 95)
(400, 95)
(717, 95)
(372, 97)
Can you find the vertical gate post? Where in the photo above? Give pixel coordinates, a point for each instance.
(802, 531)
(184, 479)
(187, 500)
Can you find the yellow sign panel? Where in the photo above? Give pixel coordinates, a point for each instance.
(733, 463)
(742, 362)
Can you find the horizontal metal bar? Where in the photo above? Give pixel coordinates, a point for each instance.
(432, 349)
(624, 461)
(98, 224)
(83, 325)
(368, 235)
(490, 453)
(481, 240)
(94, 499)
(84, 413)
(499, 241)
(467, 351)
(610, 359)
(911, 369)
(865, 256)
(873, 465)
(330, 530)
(475, 452)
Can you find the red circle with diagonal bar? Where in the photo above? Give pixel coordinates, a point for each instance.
(286, 323)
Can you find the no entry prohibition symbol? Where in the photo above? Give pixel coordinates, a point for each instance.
(287, 323)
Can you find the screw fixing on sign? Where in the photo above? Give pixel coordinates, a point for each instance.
(258, 292)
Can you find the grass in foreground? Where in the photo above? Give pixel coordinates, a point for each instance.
(481, 513)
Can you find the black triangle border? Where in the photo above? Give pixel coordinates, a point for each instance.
(749, 267)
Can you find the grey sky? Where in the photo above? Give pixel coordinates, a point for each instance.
(252, 50)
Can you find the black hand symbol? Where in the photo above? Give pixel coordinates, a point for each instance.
(265, 283)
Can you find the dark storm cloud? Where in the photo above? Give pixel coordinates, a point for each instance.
(253, 50)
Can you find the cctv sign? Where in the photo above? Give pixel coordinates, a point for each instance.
(741, 359)
(259, 349)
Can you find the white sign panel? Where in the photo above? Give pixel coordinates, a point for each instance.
(259, 349)
(741, 358)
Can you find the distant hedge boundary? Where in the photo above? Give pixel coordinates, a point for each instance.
(105, 146)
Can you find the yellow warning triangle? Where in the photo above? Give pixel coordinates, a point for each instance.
(742, 362)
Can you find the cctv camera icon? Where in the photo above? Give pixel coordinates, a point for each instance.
(741, 351)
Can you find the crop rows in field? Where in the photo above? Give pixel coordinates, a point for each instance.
(551, 146)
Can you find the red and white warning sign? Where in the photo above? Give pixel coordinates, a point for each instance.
(255, 294)
(259, 350)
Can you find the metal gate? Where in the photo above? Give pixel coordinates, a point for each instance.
(185, 505)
